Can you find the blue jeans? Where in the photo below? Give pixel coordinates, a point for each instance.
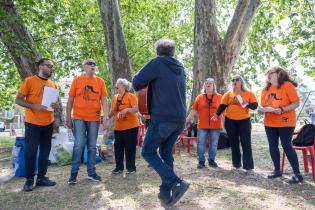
(84, 133)
(162, 135)
(202, 140)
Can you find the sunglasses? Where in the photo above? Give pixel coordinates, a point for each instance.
(90, 63)
(236, 80)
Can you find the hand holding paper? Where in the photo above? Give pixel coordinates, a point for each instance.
(50, 97)
(266, 109)
(242, 102)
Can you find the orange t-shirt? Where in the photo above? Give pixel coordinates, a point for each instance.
(280, 97)
(131, 119)
(202, 107)
(234, 109)
(87, 93)
(32, 88)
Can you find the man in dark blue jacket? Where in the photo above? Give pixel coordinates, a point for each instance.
(167, 80)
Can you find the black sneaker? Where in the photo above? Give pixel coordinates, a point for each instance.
(131, 171)
(28, 186)
(117, 171)
(297, 178)
(213, 164)
(45, 182)
(95, 177)
(177, 191)
(274, 175)
(201, 165)
(165, 197)
(73, 179)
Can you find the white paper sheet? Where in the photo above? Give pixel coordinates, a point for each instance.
(50, 96)
(241, 101)
(266, 109)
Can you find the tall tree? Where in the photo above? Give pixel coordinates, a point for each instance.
(17, 39)
(20, 45)
(215, 56)
(118, 61)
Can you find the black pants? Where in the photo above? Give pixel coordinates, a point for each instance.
(36, 135)
(239, 131)
(125, 144)
(285, 134)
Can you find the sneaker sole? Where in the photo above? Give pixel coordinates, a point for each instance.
(72, 183)
(178, 197)
(94, 180)
(41, 185)
(119, 172)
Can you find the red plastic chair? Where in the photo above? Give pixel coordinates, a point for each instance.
(141, 133)
(182, 139)
(304, 149)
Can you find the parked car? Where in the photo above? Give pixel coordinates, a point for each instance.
(2, 127)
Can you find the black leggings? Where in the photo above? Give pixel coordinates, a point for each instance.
(239, 131)
(285, 134)
(125, 145)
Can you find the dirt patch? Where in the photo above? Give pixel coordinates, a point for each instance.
(209, 188)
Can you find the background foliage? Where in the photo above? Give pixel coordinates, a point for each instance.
(69, 31)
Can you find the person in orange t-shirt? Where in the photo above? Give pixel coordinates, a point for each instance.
(206, 105)
(236, 104)
(38, 123)
(279, 99)
(126, 124)
(86, 96)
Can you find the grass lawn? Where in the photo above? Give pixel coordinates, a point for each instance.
(218, 188)
(7, 141)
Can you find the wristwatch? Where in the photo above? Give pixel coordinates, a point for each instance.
(282, 110)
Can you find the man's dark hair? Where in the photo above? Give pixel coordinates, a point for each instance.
(165, 47)
(40, 61)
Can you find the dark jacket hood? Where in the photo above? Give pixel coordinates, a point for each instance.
(172, 64)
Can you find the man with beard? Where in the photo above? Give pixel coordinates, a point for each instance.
(38, 123)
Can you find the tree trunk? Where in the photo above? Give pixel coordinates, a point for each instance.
(17, 39)
(21, 46)
(215, 57)
(118, 61)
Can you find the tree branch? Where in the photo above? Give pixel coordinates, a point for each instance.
(234, 40)
(310, 7)
(236, 21)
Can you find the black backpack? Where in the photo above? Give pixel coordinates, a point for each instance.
(224, 141)
(305, 136)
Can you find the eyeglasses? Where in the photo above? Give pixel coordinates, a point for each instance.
(48, 65)
(236, 80)
(90, 63)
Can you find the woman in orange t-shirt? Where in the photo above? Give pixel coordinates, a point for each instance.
(236, 104)
(279, 99)
(126, 123)
(205, 105)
